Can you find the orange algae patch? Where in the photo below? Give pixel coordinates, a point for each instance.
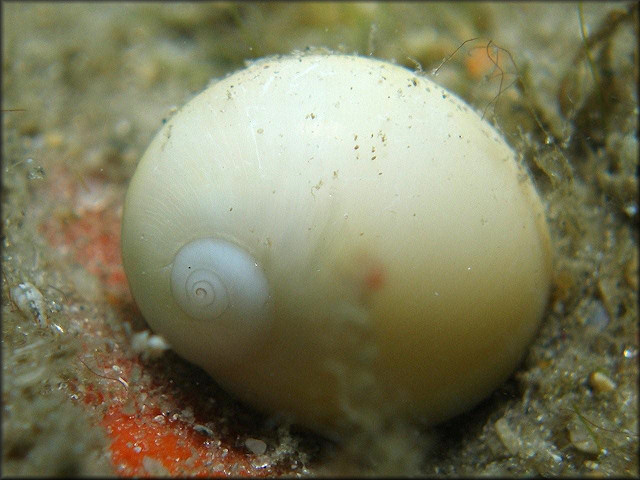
(91, 229)
(139, 436)
(144, 441)
(94, 240)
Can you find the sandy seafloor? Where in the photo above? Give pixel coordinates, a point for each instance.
(85, 88)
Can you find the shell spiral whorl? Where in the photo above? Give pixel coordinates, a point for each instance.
(202, 295)
(209, 275)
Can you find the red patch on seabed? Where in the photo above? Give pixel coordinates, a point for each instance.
(94, 240)
(152, 443)
(140, 436)
(144, 440)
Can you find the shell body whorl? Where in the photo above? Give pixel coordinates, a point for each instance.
(388, 234)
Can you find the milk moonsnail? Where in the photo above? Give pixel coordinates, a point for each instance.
(335, 238)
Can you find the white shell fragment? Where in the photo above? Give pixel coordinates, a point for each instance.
(30, 302)
(148, 344)
(398, 252)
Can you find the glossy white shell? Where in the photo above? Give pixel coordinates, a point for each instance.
(406, 252)
(217, 282)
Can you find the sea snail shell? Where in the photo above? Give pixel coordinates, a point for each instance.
(338, 239)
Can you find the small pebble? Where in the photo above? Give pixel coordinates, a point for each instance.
(509, 438)
(591, 465)
(260, 462)
(202, 429)
(256, 446)
(601, 383)
(581, 439)
(159, 419)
